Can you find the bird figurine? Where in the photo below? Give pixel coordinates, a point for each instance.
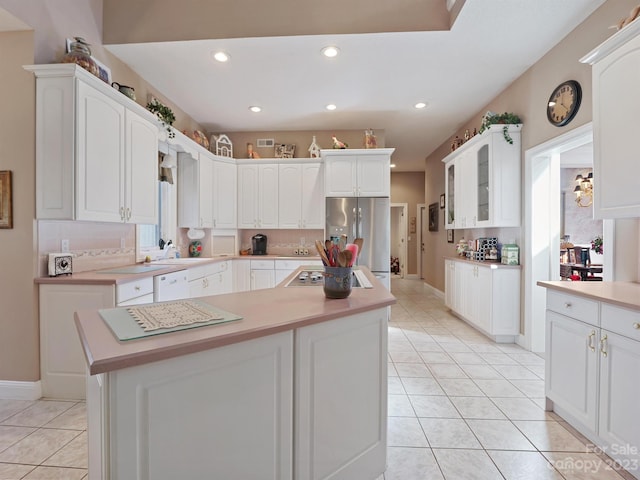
(337, 143)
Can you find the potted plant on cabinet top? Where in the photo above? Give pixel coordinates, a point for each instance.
(505, 119)
(164, 114)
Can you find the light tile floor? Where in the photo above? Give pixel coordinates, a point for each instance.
(460, 407)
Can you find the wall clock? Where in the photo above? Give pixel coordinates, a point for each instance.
(564, 103)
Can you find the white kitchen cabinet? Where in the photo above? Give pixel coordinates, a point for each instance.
(225, 194)
(262, 274)
(96, 150)
(341, 424)
(572, 365)
(357, 172)
(615, 123)
(482, 181)
(195, 192)
(258, 196)
(62, 363)
(486, 295)
(210, 279)
(301, 196)
(241, 275)
(593, 359)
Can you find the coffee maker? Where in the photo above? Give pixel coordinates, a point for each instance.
(259, 244)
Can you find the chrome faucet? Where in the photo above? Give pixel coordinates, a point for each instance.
(168, 248)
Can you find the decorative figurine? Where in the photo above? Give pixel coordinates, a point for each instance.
(337, 143)
(369, 139)
(250, 152)
(314, 149)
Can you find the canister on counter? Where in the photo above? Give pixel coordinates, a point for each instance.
(510, 254)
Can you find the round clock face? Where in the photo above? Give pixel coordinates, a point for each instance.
(564, 103)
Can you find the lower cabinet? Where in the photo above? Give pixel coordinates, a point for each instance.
(212, 279)
(262, 274)
(593, 360)
(486, 295)
(241, 411)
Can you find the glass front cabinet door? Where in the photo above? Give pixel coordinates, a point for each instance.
(450, 195)
(482, 184)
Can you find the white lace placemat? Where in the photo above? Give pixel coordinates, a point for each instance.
(169, 315)
(139, 321)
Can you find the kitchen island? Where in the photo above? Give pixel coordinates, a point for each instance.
(298, 373)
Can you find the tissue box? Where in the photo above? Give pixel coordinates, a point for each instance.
(510, 255)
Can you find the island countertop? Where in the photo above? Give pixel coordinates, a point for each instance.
(623, 294)
(264, 312)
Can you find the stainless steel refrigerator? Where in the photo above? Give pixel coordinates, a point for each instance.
(368, 218)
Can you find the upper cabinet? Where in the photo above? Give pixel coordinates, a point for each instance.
(207, 191)
(258, 195)
(615, 123)
(482, 181)
(96, 150)
(301, 195)
(357, 172)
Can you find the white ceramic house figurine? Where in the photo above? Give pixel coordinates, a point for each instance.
(314, 149)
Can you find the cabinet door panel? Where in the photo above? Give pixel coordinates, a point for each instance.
(571, 370)
(373, 176)
(225, 195)
(615, 121)
(141, 158)
(340, 176)
(313, 204)
(206, 192)
(247, 196)
(268, 196)
(290, 196)
(619, 422)
(100, 156)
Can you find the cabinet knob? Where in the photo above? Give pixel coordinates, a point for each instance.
(136, 288)
(567, 305)
(636, 326)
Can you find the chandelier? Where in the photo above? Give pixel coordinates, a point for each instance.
(584, 190)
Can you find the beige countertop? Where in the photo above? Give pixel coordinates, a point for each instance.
(623, 294)
(264, 312)
(486, 263)
(99, 277)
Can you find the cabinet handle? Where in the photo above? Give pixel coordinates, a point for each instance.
(567, 305)
(591, 339)
(603, 345)
(636, 326)
(122, 213)
(136, 288)
(128, 213)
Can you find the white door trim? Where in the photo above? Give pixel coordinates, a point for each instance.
(541, 235)
(420, 209)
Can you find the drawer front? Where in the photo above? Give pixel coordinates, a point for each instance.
(198, 272)
(262, 264)
(621, 320)
(138, 288)
(573, 306)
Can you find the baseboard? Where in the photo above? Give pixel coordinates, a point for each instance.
(435, 291)
(411, 276)
(20, 390)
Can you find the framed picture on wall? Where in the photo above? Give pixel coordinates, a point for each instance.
(450, 235)
(6, 208)
(433, 217)
(442, 201)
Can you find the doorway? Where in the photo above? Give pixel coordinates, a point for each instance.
(399, 239)
(541, 253)
(420, 231)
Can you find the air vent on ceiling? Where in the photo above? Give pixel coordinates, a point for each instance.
(266, 142)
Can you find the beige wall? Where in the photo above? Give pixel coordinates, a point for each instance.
(527, 97)
(19, 344)
(408, 187)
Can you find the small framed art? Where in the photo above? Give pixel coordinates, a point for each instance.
(6, 207)
(450, 235)
(442, 201)
(433, 217)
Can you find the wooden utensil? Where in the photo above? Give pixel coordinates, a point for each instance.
(359, 242)
(322, 253)
(348, 257)
(342, 259)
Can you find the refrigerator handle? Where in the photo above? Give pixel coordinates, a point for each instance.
(359, 221)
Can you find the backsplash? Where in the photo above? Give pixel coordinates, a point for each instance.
(283, 242)
(94, 245)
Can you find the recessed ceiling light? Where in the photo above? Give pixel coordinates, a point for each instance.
(330, 51)
(393, 165)
(420, 105)
(221, 56)
(331, 106)
(255, 109)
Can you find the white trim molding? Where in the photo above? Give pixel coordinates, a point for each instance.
(20, 390)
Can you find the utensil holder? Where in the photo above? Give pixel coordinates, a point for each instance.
(337, 282)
